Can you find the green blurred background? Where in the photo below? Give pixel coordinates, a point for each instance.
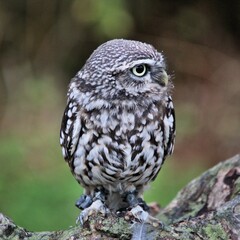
(44, 43)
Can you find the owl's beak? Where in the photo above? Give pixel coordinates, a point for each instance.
(160, 76)
(164, 78)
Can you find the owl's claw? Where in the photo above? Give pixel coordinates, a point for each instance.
(96, 207)
(138, 210)
(84, 201)
(140, 215)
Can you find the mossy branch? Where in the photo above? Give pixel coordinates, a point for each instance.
(207, 208)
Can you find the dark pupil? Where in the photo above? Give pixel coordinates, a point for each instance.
(140, 69)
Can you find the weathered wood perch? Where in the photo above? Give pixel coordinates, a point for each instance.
(207, 208)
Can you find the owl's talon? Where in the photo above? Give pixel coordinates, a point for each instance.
(140, 215)
(80, 219)
(83, 202)
(96, 207)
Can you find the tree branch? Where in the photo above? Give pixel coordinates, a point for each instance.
(207, 208)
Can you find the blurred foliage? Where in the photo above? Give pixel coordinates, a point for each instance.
(44, 43)
(109, 18)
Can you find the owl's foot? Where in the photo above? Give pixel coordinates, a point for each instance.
(138, 210)
(84, 201)
(91, 205)
(96, 207)
(138, 214)
(133, 200)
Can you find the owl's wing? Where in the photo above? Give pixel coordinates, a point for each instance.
(70, 130)
(169, 127)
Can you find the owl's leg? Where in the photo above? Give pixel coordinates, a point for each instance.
(97, 206)
(133, 200)
(84, 201)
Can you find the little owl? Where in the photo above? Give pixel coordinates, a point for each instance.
(118, 126)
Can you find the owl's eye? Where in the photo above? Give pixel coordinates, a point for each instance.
(139, 70)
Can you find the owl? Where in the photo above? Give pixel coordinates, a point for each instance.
(118, 126)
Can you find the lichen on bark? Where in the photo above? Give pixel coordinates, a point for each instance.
(207, 208)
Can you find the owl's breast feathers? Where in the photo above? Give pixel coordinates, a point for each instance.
(106, 144)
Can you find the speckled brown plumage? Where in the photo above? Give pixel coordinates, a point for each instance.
(119, 124)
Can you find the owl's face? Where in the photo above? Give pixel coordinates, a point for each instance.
(141, 76)
(120, 69)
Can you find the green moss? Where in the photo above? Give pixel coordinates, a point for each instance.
(121, 227)
(215, 232)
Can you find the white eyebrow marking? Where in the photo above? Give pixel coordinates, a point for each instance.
(150, 62)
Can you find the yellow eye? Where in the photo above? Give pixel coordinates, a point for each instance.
(139, 70)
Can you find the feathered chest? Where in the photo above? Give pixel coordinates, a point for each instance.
(125, 124)
(121, 140)
(110, 144)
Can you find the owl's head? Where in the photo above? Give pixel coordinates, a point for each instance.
(125, 69)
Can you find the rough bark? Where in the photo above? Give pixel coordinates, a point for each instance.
(207, 208)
